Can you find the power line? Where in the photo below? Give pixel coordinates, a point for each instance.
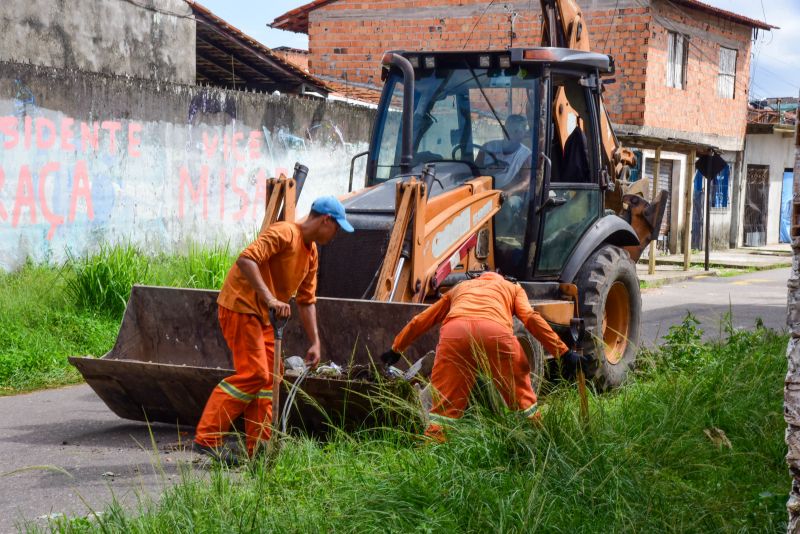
(476, 24)
(613, 23)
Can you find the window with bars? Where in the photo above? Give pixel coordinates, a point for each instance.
(677, 58)
(727, 72)
(719, 189)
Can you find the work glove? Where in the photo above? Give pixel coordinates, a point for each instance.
(571, 361)
(390, 357)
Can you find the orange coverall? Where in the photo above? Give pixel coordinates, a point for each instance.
(289, 268)
(477, 320)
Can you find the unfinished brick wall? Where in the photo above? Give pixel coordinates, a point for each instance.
(296, 58)
(348, 37)
(698, 107)
(623, 33)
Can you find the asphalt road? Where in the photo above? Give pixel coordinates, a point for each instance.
(79, 455)
(748, 297)
(76, 455)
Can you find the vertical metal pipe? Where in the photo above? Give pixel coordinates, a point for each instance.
(407, 153)
(397, 277)
(299, 175)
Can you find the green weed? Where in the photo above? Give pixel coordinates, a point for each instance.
(48, 314)
(206, 266)
(41, 328)
(102, 281)
(649, 460)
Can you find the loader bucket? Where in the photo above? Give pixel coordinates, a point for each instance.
(170, 354)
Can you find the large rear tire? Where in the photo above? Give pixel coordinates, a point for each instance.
(535, 353)
(611, 306)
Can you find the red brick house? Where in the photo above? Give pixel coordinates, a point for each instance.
(683, 69)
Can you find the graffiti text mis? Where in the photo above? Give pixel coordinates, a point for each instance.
(36, 182)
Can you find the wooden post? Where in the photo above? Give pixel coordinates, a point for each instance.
(688, 199)
(651, 269)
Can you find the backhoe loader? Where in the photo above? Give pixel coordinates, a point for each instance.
(478, 160)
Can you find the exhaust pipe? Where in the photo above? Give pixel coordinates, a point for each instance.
(406, 156)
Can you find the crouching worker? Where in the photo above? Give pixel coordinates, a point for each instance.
(477, 336)
(280, 264)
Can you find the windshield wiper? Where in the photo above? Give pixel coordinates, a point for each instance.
(486, 98)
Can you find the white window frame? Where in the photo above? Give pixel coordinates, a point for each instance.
(726, 85)
(677, 59)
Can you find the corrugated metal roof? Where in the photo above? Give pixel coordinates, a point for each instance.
(296, 20)
(228, 57)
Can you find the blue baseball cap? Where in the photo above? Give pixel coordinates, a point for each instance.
(331, 206)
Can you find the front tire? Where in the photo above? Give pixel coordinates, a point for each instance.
(535, 353)
(611, 306)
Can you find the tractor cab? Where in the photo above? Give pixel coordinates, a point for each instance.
(526, 117)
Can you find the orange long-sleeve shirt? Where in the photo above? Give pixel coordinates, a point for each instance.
(489, 297)
(287, 265)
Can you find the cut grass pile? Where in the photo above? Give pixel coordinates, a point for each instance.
(693, 443)
(48, 314)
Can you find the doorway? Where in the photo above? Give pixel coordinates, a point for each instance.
(664, 182)
(755, 206)
(786, 206)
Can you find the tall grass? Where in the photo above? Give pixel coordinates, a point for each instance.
(48, 314)
(102, 281)
(643, 463)
(206, 266)
(41, 328)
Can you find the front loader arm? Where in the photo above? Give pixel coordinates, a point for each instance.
(563, 25)
(432, 238)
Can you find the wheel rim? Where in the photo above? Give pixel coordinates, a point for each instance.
(616, 322)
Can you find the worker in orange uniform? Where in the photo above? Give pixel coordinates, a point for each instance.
(476, 317)
(280, 264)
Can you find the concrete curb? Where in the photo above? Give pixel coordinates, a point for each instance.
(659, 279)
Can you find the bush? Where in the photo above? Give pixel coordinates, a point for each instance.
(683, 347)
(102, 282)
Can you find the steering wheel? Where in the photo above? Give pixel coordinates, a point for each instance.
(494, 162)
(471, 146)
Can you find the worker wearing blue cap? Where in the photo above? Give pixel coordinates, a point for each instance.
(280, 264)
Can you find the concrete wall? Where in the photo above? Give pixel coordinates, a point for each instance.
(87, 159)
(154, 40)
(775, 150)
